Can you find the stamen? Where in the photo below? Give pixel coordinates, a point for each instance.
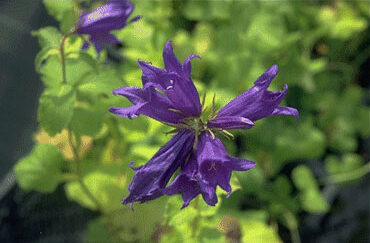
(169, 87)
(204, 98)
(172, 131)
(228, 133)
(160, 91)
(176, 111)
(212, 134)
(171, 81)
(213, 166)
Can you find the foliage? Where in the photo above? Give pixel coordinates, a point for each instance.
(83, 146)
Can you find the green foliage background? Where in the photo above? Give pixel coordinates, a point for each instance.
(318, 47)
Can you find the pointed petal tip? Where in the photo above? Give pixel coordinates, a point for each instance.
(168, 45)
(184, 205)
(136, 18)
(131, 165)
(194, 56)
(273, 70)
(112, 109)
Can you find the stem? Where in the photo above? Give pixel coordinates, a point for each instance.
(293, 227)
(62, 54)
(348, 176)
(78, 172)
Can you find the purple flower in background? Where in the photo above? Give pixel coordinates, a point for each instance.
(169, 96)
(101, 21)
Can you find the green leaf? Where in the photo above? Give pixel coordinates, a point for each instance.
(78, 67)
(252, 180)
(341, 22)
(56, 108)
(139, 225)
(197, 10)
(41, 170)
(107, 189)
(210, 235)
(65, 11)
(309, 195)
(42, 56)
(258, 232)
(144, 151)
(49, 37)
(348, 163)
(265, 32)
(103, 82)
(97, 232)
(88, 120)
(51, 71)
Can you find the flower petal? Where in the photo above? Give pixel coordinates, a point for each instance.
(185, 185)
(148, 102)
(285, 110)
(183, 95)
(171, 63)
(257, 102)
(239, 164)
(110, 16)
(208, 193)
(173, 81)
(231, 122)
(152, 75)
(150, 180)
(128, 112)
(187, 64)
(215, 165)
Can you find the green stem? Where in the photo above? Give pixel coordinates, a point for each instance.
(348, 176)
(63, 56)
(293, 227)
(76, 158)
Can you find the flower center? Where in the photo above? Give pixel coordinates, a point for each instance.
(199, 124)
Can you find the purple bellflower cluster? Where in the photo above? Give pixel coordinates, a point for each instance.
(100, 22)
(169, 96)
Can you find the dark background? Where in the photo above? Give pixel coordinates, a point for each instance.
(27, 217)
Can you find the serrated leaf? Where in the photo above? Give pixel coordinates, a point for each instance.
(41, 170)
(49, 37)
(56, 108)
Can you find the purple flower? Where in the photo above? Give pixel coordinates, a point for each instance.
(169, 96)
(151, 178)
(208, 167)
(101, 21)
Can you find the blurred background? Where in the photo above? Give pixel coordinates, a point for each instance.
(311, 182)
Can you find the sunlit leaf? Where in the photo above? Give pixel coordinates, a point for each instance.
(41, 170)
